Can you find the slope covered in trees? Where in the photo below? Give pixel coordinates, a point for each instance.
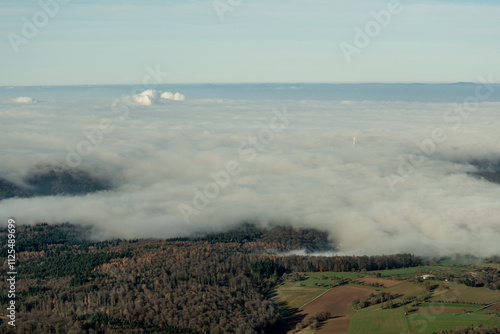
(212, 284)
(51, 180)
(279, 238)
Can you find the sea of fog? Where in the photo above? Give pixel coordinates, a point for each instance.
(383, 168)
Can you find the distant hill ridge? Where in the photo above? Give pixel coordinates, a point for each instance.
(52, 180)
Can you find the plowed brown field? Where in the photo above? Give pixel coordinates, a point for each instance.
(494, 307)
(338, 302)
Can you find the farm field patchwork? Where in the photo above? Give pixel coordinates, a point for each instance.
(415, 305)
(338, 302)
(453, 292)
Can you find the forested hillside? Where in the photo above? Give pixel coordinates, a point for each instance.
(51, 180)
(217, 283)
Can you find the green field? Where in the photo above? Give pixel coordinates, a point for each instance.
(452, 292)
(405, 288)
(405, 272)
(325, 279)
(460, 261)
(294, 297)
(429, 323)
(377, 321)
(322, 276)
(473, 306)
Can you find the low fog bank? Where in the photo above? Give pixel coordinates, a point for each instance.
(206, 165)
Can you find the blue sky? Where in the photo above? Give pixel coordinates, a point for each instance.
(112, 42)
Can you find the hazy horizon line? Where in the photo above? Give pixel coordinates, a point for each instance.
(260, 83)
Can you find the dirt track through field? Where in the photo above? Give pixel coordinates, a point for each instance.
(338, 302)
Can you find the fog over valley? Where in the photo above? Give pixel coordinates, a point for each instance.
(380, 175)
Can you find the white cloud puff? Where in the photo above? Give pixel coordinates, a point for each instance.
(25, 100)
(173, 96)
(146, 98)
(152, 97)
